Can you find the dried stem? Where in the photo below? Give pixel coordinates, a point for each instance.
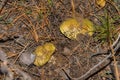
(5, 2)
(114, 63)
(20, 53)
(73, 8)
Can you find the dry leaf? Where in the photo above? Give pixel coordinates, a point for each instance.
(35, 35)
(11, 54)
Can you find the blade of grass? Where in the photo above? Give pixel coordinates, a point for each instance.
(111, 48)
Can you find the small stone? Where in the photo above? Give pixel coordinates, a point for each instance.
(66, 51)
(27, 58)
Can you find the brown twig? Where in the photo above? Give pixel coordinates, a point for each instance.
(113, 4)
(5, 2)
(73, 8)
(115, 64)
(20, 53)
(33, 30)
(112, 50)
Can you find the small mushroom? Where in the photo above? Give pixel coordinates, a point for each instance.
(43, 54)
(72, 27)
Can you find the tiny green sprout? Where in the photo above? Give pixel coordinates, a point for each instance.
(106, 30)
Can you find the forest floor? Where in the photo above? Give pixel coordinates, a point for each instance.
(26, 24)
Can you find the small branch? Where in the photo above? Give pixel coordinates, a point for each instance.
(114, 63)
(113, 4)
(73, 8)
(20, 53)
(97, 68)
(5, 2)
(115, 44)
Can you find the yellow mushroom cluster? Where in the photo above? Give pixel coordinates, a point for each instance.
(70, 28)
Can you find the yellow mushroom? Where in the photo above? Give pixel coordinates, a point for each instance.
(87, 27)
(101, 3)
(43, 54)
(72, 27)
